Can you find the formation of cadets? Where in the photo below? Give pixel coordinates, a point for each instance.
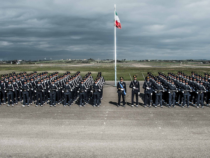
(52, 89)
(168, 90)
(163, 90)
(180, 89)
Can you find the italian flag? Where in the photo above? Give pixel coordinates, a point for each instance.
(117, 21)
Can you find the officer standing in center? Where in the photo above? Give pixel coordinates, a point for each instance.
(147, 92)
(121, 89)
(135, 85)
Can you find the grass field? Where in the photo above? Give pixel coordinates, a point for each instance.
(107, 69)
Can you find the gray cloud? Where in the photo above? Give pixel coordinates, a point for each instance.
(59, 29)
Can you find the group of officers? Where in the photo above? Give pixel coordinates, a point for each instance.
(52, 88)
(170, 90)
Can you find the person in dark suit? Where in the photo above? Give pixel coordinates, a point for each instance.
(82, 90)
(135, 85)
(147, 86)
(121, 90)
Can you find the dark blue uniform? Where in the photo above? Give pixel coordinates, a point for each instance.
(25, 93)
(158, 95)
(19, 90)
(39, 90)
(200, 94)
(15, 85)
(121, 90)
(53, 88)
(147, 86)
(186, 94)
(172, 94)
(135, 85)
(67, 94)
(96, 95)
(3, 93)
(10, 94)
(82, 90)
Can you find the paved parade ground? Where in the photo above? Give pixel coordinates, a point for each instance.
(107, 131)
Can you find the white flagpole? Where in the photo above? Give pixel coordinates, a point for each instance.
(115, 48)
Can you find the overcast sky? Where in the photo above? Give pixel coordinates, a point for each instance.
(82, 29)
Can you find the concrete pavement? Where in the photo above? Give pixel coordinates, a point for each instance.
(107, 131)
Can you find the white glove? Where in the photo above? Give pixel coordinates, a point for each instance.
(138, 93)
(122, 89)
(63, 91)
(49, 91)
(134, 87)
(35, 91)
(99, 90)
